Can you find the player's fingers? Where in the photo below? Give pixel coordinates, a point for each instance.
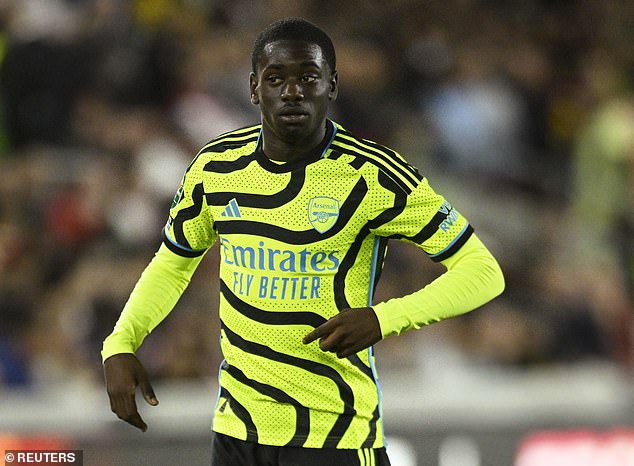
(120, 400)
(342, 343)
(130, 414)
(347, 351)
(319, 332)
(331, 342)
(147, 391)
(136, 421)
(327, 328)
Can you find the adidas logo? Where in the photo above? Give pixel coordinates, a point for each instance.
(232, 209)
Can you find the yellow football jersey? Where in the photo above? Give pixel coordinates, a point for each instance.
(299, 242)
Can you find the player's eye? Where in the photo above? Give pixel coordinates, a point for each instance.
(274, 79)
(309, 78)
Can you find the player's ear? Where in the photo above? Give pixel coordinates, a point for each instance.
(334, 86)
(253, 85)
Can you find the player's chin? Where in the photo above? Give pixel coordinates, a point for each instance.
(295, 132)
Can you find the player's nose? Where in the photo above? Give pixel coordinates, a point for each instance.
(292, 91)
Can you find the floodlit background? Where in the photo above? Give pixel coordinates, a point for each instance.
(521, 113)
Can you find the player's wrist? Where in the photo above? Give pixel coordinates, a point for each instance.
(113, 347)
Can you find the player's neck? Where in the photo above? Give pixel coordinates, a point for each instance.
(280, 150)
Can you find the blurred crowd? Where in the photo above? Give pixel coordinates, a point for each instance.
(521, 113)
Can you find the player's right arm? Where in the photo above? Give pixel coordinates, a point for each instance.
(187, 236)
(154, 296)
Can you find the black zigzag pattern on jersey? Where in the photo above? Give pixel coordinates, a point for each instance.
(356, 362)
(382, 167)
(242, 414)
(457, 244)
(262, 201)
(387, 161)
(370, 439)
(345, 391)
(284, 318)
(223, 146)
(339, 428)
(180, 251)
(347, 210)
(398, 160)
(187, 214)
(358, 162)
(302, 416)
(428, 230)
(349, 259)
(431, 228)
(228, 166)
(267, 317)
(334, 155)
(216, 144)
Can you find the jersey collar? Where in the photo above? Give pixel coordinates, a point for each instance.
(318, 153)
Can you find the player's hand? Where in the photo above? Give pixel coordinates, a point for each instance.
(347, 333)
(124, 373)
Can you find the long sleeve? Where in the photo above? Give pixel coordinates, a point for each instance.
(473, 277)
(156, 293)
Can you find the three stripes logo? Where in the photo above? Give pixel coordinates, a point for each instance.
(232, 209)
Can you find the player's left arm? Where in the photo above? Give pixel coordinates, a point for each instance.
(473, 277)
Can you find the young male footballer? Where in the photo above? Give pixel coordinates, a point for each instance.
(302, 210)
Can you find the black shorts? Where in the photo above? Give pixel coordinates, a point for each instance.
(229, 451)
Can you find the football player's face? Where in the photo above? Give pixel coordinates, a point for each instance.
(293, 86)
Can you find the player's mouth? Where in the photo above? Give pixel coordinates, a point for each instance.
(293, 115)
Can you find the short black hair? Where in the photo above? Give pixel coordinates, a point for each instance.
(294, 29)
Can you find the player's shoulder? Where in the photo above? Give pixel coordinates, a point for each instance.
(370, 151)
(228, 146)
(233, 139)
(356, 143)
(368, 155)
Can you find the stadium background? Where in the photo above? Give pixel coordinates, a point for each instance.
(520, 112)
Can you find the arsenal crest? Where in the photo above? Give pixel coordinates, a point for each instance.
(323, 212)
